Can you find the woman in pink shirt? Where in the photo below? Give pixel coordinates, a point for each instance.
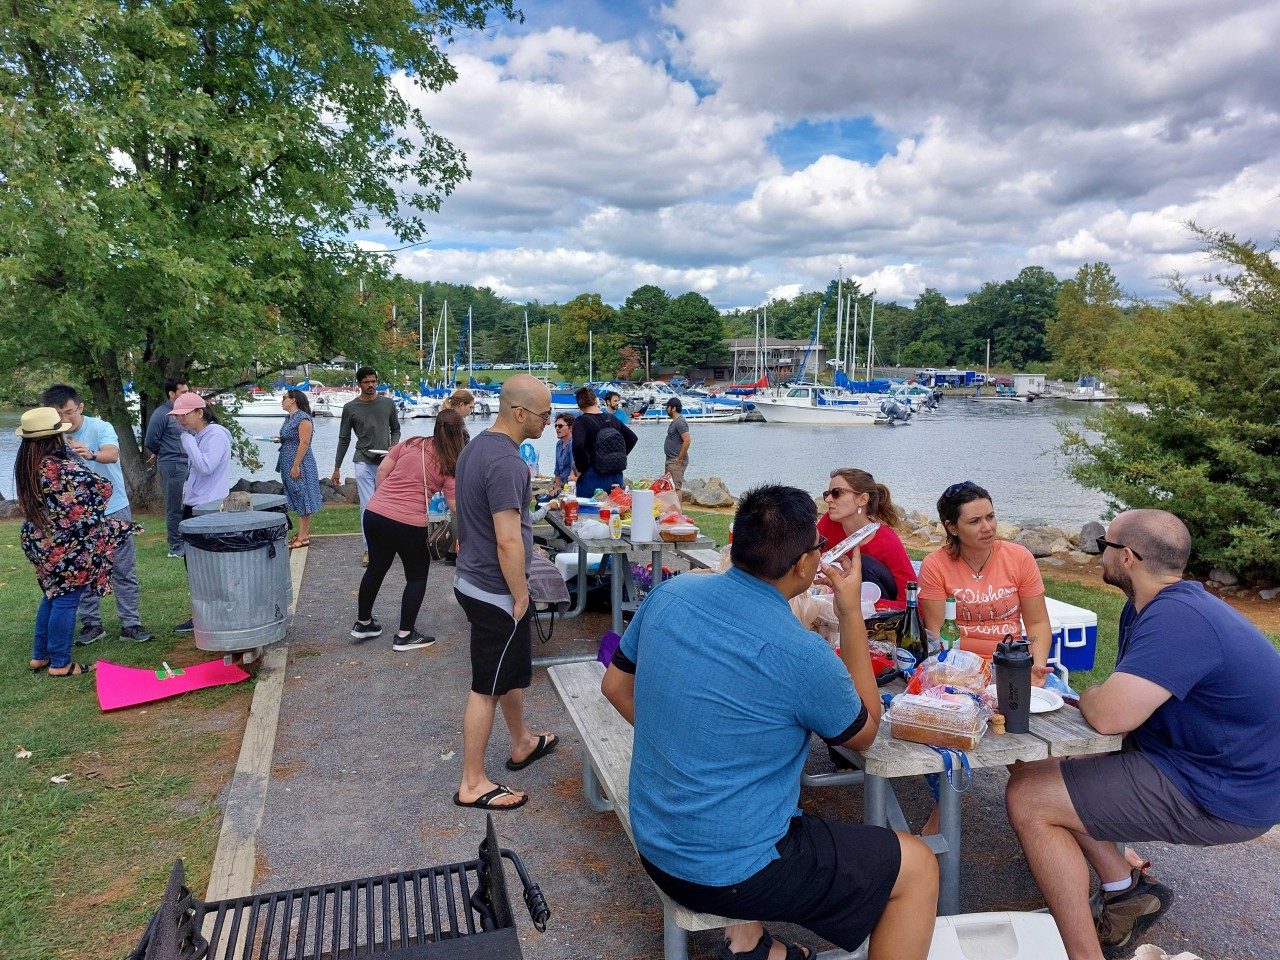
(854, 500)
(996, 584)
(395, 524)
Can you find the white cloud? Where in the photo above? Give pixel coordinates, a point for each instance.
(1043, 133)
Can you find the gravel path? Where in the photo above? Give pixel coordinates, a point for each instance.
(368, 755)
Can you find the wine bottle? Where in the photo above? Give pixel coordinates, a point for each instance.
(950, 633)
(911, 631)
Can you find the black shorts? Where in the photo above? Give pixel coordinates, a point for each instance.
(501, 648)
(1124, 797)
(831, 877)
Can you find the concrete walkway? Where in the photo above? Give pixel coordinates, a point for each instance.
(368, 756)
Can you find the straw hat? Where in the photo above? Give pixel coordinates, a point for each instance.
(41, 422)
(186, 403)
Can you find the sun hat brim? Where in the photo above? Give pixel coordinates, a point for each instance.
(37, 434)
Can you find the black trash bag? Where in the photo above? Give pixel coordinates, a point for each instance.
(237, 541)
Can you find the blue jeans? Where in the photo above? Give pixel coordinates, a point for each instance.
(590, 482)
(55, 624)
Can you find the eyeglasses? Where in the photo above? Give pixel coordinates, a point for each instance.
(835, 493)
(955, 488)
(544, 417)
(1103, 543)
(819, 546)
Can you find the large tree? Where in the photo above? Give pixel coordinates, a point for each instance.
(586, 339)
(1013, 315)
(178, 179)
(1088, 312)
(689, 332)
(1206, 443)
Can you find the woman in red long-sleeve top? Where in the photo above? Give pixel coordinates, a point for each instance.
(854, 499)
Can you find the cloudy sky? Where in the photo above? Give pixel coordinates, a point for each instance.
(749, 148)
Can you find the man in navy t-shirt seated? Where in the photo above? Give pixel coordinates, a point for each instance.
(1194, 688)
(724, 687)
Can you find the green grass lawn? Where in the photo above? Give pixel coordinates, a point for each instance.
(83, 864)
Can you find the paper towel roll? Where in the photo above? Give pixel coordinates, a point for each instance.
(643, 528)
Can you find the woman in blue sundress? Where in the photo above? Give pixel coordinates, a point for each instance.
(297, 464)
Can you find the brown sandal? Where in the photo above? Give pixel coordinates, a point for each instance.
(73, 670)
(298, 542)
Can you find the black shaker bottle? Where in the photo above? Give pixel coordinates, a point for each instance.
(1012, 662)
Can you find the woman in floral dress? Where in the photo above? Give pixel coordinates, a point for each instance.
(297, 464)
(65, 534)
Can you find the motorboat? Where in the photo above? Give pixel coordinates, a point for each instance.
(812, 403)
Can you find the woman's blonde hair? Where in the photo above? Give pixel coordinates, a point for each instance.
(458, 398)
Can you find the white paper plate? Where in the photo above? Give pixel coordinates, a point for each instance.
(1042, 700)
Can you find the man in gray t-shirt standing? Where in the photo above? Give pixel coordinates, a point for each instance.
(492, 587)
(676, 447)
(376, 423)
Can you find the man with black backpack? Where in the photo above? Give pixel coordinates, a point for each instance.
(601, 443)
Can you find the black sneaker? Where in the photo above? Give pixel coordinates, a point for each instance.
(138, 634)
(1126, 914)
(414, 641)
(90, 633)
(186, 626)
(363, 631)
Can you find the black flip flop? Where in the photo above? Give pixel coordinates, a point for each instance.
(547, 743)
(485, 801)
(77, 670)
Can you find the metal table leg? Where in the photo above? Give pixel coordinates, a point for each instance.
(596, 799)
(615, 590)
(949, 861)
(657, 567)
(675, 941)
(875, 792)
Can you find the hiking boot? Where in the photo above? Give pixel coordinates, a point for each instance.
(1126, 914)
(90, 633)
(414, 641)
(137, 633)
(363, 631)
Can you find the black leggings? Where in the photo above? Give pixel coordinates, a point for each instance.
(386, 538)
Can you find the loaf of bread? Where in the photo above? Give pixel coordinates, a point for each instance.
(952, 720)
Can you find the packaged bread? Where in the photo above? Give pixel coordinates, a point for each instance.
(939, 719)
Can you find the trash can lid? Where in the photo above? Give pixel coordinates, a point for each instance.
(215, 523)
(274, 502)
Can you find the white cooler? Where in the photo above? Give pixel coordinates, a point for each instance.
(997, 936)
(567, 564)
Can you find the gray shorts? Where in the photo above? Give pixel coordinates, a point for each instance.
(676, 469)
(1123, 797)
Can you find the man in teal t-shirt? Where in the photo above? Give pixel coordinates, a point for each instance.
(725, 687)
(95, 443)
(1194, 689)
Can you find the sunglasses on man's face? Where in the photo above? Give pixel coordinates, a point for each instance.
(820, 545)
(1103, 543)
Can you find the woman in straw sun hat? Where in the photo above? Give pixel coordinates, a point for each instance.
(65, 535)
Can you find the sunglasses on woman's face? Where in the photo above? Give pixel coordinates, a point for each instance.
(835, 493)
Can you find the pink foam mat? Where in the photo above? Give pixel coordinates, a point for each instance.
(120, 687)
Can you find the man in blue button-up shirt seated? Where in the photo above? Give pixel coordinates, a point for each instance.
(724, 687)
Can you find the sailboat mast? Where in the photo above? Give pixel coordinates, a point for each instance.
(421, 352)
(871, 330)
(528, 350)
(839, 321)
(854, 339)
(591, 356)
(444, 352)
(471, 350)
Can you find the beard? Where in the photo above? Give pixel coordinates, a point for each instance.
(1119, 578)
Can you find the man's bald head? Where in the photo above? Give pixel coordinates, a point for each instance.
(525, 391)
(1158, 536)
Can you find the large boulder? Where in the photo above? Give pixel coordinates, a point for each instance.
(10, 509)
(350, 492)
(242, 486)
(1224, 577)
(713, 494)
(267, 486)
(1089, 535)
(1041, 543)
(1007, 531)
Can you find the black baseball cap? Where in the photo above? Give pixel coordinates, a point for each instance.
(675, 402)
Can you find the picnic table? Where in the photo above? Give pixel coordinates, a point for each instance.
(623, 595)
(1062, 733)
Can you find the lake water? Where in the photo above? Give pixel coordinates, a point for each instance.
(1011, 449)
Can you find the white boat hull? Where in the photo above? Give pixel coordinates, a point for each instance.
(776, 412)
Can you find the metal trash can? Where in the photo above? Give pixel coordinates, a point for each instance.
(238, 569)
(264, 502)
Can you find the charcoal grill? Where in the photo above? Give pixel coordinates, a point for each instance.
(449, 912)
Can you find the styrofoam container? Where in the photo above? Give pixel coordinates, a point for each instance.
(997, 936)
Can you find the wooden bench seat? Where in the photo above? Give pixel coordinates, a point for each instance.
(706, 558)
(606, 766)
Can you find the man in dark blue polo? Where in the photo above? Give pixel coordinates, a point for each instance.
(724, 687)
